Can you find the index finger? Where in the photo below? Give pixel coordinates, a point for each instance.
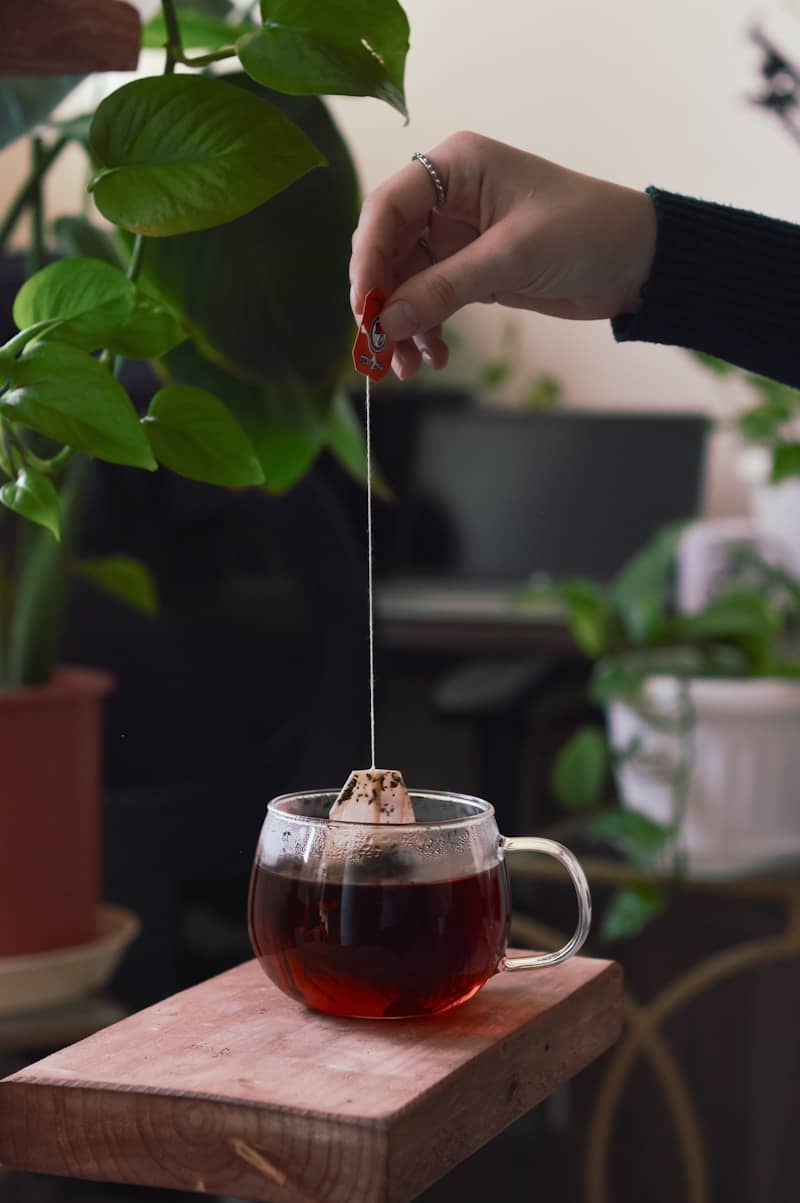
(392, 218)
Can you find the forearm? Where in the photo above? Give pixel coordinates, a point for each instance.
(724, 281)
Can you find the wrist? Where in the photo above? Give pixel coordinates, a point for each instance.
(642, 249)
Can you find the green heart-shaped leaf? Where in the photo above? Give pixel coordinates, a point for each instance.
(736, 612)
(122, 577)
(286, 428)
(588, 613)
(186, 152)
(632, 833)
(34, 496)
(287, 432)
(63, 393)
(631, 908)
(339, 47)
(785, 462)
(247, 289)
(194, 434)
(640, 591)
(580, 769)
(348, 444)
(151, 331)
(199, 31)
(86, 297)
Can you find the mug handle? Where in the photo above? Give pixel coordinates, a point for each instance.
(562, 854)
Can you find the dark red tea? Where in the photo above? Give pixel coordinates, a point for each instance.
(379, 949)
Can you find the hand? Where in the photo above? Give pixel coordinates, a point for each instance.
(515, 229)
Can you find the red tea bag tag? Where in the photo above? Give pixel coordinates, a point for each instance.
(372, 351)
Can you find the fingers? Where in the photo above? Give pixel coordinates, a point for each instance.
(406, 360)
(428, 347)
(387, 255)
(392, 219)
(428, 298)
(434, 350)
(409, 355)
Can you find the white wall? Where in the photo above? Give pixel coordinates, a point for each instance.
(640, 91)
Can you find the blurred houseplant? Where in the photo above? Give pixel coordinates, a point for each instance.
(228, 267)
(769, 425)
(503, 377)
(702, 714)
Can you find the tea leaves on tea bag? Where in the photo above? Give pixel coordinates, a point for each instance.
(373, 796)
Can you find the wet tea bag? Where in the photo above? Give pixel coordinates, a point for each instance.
(373, 796)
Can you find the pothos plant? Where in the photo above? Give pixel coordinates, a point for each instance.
(630, 630)
(772, 421)
(231, 200)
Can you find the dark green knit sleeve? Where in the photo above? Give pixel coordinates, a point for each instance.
(724, 281)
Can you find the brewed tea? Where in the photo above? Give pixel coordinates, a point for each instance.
(378, 949)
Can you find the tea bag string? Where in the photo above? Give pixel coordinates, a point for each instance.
(370, 574)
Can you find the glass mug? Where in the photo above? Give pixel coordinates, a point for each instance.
(382, 920)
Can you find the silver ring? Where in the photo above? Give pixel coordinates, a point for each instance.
(425, 246)
(441, 195)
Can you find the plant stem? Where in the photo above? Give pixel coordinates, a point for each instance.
(29, 458)
(682, 774)
(16, 445)
(6, 459)
(41, 584)
(204, 60)
(59, 460)
(135, 261)
(174, 40)
(10, 349)
(175, 51)
(23, 198)
(36, 253)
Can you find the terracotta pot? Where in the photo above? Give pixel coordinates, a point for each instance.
(50, 745)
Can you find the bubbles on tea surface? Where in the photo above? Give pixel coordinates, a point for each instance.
(368, 865)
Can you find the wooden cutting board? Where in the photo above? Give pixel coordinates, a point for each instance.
(234, 1089)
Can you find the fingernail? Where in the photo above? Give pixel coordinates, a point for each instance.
(427, 358)
(399, 320)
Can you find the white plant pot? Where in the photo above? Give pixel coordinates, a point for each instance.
(742, 810)
(775, 509)
(776, 513)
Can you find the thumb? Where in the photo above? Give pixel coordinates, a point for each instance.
(435, 294)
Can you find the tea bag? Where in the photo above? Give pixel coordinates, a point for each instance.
(373, 796)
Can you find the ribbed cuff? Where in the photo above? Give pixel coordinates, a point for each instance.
(725, 281)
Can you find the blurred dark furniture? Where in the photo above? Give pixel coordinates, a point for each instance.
(491, 497)
(697, 1101)
(250, 681)
(496, 495)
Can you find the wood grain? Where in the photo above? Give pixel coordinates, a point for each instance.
(54, 37)
(232, 1088)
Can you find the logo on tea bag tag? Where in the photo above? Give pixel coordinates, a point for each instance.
(372, 351)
